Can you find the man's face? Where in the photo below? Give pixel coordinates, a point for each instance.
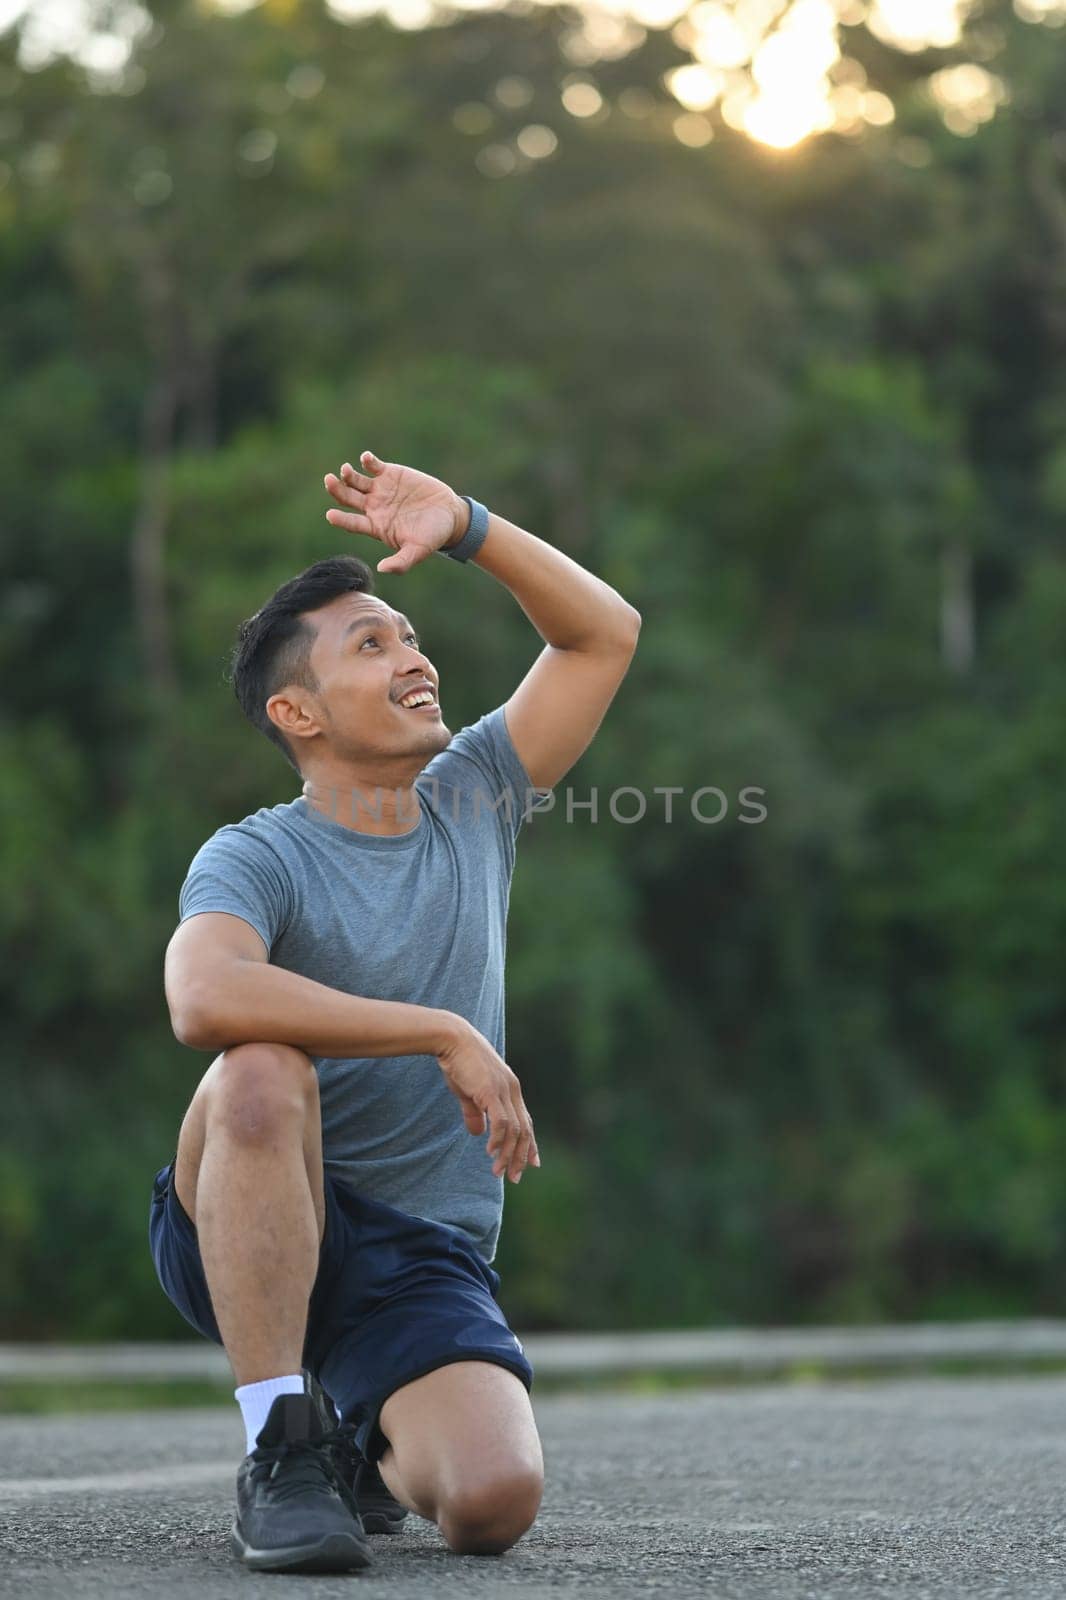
(367, 661)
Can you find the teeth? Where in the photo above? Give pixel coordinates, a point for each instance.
(422, 698)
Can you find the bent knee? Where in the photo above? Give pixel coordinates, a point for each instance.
(261, 1091)
(488, 1518)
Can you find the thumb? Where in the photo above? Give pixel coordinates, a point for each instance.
(473, 1116)
(408, 556)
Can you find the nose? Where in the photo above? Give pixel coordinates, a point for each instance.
(420, 667)
(419, 663)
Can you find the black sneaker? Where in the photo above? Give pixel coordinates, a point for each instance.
(378, 1509)
(294, 1513)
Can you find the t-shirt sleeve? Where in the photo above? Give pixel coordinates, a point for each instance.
(237, 872)
(481, 758)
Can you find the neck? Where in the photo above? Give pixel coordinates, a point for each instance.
(378, 808)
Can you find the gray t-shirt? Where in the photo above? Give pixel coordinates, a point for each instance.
(419, 917)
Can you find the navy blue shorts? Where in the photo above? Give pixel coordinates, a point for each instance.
(395, 1297)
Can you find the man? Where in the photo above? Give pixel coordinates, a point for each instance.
(328, 1217)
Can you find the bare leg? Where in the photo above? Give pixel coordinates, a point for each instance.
(249, 1174)
(464, 1452)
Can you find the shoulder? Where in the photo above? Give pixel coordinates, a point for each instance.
(263, 834)
(481, 752)
(255, 855)
(489, 787)
(243, 868)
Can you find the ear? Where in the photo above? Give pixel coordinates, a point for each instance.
(293, 714)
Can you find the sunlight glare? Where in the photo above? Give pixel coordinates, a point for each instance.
(967, 96)
(582, 99)
(411, 16)
(352, 10)
(915, 25)
(657, 13)
(695, 87)
(773, 67)
(1050, 12)
(790, 70)
(783, 123)
(718, 38)
(693, 130)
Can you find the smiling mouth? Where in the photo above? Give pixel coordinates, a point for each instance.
(427, 705)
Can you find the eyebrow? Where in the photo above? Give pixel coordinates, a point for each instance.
(377, 622)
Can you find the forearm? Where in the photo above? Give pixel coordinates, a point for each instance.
(252, 1001)
(570, 608)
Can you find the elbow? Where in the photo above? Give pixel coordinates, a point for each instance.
(631, 627)
(195, 1025)
(189, 1031)
(618, 628)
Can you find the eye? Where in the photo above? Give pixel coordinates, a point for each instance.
(372, 638)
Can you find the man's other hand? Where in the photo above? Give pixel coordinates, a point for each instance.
(485, 1086)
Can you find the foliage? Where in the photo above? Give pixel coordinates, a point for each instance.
(802, 410)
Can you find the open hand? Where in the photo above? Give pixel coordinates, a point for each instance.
(491, 1096)
(408, 510)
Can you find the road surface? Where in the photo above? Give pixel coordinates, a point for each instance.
(911, 1487)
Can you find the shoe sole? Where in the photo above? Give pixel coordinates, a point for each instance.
(336, 1552)
(383, 1521)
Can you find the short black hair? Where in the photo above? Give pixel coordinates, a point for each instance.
(274, 647)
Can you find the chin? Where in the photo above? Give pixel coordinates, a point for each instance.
(436, 734)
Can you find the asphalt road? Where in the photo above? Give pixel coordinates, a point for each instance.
(919, 1487)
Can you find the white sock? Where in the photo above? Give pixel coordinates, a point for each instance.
(256, 1399)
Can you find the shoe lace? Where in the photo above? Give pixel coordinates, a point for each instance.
(306, 1466)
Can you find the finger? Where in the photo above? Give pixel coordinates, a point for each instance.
(371, 463)
(527, 1142)
(497, 1124)
(505, 1131)
(349, 520)
(408, 556)
(345, 494)
(520, 1159)
(534, 1149)
(355, 480)
(473, 1115)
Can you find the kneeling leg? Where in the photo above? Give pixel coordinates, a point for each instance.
(465, 1453)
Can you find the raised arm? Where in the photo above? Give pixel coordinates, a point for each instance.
(590, 632)
(590, 635)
